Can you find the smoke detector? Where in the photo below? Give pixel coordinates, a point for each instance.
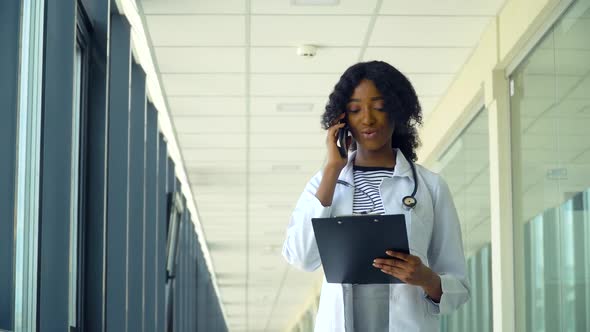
(306, 51)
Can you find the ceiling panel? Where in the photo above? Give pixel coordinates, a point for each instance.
(280, 201)
(317, 85)
(290, 140)
(203, 84)
(212, 125)
(217, 179)
(430, 84)
(291, 106)
(270, 241)
(430, 31)
(207, 140)
(285, 124)
(221, 165)
(200, 59)
(238, 196)
(194, 7)
(354, 7)
(193, 156)
(204, 106)
(195, 30)
(447, 7)
(420, 59)
(295, 30)
(294, 178)
(269, 189)
(286, 60)
(231, 204)
(287, 155)
(218, 176)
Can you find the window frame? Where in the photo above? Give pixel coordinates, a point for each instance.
(175, 218)
(83, 40)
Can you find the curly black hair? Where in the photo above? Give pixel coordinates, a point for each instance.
(399, 99)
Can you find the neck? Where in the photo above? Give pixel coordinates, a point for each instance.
(384, 157)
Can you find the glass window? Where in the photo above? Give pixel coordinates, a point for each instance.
(465, 167)
(75, 187)
(9, 65)
(550, 115)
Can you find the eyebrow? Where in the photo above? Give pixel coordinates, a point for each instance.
(372, 98)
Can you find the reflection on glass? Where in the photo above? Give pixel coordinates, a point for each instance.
(551, 173)
(74, 188)
(465, 167)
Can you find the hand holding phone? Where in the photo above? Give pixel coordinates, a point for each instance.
(342, 142)
(336, 142)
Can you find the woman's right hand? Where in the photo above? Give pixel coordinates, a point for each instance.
(335, 160)
(335, 164)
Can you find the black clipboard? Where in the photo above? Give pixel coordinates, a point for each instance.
(349, 244)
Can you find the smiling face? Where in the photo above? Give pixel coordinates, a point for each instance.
(368, 121)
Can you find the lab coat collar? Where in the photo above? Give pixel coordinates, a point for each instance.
(402, 167)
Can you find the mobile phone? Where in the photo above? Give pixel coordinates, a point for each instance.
(342, 141)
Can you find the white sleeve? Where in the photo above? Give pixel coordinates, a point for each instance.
(300, 248)
(445, 253)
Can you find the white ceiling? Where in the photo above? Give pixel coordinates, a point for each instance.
(226, 65)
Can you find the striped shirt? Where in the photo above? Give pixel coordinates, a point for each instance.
(370, 303)
(366, 193)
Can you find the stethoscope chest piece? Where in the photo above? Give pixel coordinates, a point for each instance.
(409, 202)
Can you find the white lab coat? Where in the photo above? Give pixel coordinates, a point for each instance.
(434, 235)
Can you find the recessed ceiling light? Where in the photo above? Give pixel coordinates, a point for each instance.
(315, 2)
(295, 107)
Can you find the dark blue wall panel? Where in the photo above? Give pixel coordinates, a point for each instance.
(161, 226)
(151, 238)
(54, 233)
(135, 234)
(96, 170)
(118, 158)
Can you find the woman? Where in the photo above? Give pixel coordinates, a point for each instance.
(379, 106)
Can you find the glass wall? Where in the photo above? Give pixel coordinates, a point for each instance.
(75, 186)
(61, 85)
(550, 115)
(465, 167)
(9, 60)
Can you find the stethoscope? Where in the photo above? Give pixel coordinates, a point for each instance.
(408, 202)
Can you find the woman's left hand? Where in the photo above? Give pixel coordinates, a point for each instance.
(410, 269)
